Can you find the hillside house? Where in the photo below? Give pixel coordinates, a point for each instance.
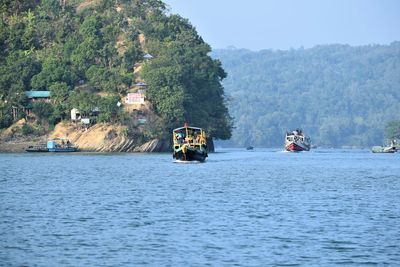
(38, 96)
(134, 98)
(32, 97)
(75, 115)
(86, 118)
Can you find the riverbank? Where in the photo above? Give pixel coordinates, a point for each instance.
(97, 138)
(19, 145)
(13, 140)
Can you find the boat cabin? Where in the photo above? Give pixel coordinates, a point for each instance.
(292, 138)
(189, 135)
(60, 145)
(296, 135)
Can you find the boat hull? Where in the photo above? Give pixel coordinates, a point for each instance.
(296, 141)
(189, 144)
(35, 150)
(297, 147)
(191, 155)
(53, 145)
(380, 149)
(68, 149)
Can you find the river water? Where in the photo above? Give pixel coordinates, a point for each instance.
(240, 208)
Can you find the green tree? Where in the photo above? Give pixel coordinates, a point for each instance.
(26, 129)
(59, 96)
(16, 6)
(184, 82)
(43, 111)
(335, 93)
(107, 80)
(18, 71)
(85, 102)
(133, 54)
(109, 109)
(392, 130)
(77, 49)
(54, 70)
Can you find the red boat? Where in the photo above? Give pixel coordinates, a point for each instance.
(296, 141)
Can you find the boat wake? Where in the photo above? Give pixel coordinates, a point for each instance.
(285, 151)
(187, 162)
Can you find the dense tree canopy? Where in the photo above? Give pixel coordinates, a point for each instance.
(392, 130)
(87, 54)
(340, 95)
(185, 83)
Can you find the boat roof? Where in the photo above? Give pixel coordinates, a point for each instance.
(37, 94)
(189, 127)
(292, 133)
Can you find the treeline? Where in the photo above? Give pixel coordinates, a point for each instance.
(89, 53)
(338, 94)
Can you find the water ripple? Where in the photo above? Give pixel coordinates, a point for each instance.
(264, 208)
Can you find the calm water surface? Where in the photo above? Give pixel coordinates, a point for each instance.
(240, 208)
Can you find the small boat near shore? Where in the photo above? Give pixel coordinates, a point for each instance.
(53, 145)
(41, 147)
(61, 145)
(392, 148)
(296, 141)
(189, 144)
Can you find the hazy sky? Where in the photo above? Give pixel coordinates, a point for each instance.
(284, 24)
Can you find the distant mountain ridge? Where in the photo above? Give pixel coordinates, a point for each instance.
(338, 94)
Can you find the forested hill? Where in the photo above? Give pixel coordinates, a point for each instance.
(91, 53)
(338, 94)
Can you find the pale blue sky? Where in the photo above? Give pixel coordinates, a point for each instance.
(285, 24)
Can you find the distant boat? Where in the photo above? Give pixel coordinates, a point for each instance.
(189, 144)
(250, 148)
(385, 149)
(296, 141)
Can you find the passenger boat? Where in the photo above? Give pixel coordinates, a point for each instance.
(61, 145)
(297, 141)
(53, 145)
(385, 149)
(189, 144)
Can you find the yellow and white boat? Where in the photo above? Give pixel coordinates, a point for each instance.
(190, 144)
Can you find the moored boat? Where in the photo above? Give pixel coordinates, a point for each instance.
(392, 148)
(53, 145)
(189, 144)
(41, 147)
(296, 141)
(61, 145)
